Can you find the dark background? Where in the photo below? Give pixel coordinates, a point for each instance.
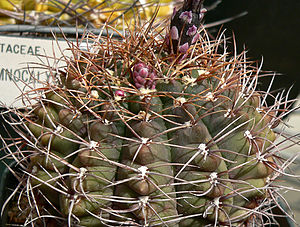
(270, 29)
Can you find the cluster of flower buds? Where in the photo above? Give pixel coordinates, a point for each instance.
(185, 24)
(144, 76)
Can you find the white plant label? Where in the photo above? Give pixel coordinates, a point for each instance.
(23, 65)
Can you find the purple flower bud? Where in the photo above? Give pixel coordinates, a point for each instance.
(143, 72)
(139, 66)
(182, 58)
(195, 38)
(191, 31)
(143, 76)
(174, 33)
(184, 48)
(120, 93)
(202, 12)
(138, 85)
(152, 76)
(186, 16)
(140, 80)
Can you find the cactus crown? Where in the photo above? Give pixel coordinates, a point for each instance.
(129, 135)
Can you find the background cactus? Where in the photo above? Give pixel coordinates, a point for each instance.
(83, 13)
(133, 132)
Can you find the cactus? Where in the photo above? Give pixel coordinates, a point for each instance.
(137, 132)
(83, 13)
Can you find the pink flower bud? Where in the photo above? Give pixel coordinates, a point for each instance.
(184, 48)
(195, 38)
(191, 31)
(143, 76)
(143, 72)
(139, 66)
(152, 76)
(138, 85)
(186, 16)
(140, 80)
(174, 33)
(202, 12)
(120, 93)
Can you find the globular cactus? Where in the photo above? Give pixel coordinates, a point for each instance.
(83, 13)
(136, 132)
